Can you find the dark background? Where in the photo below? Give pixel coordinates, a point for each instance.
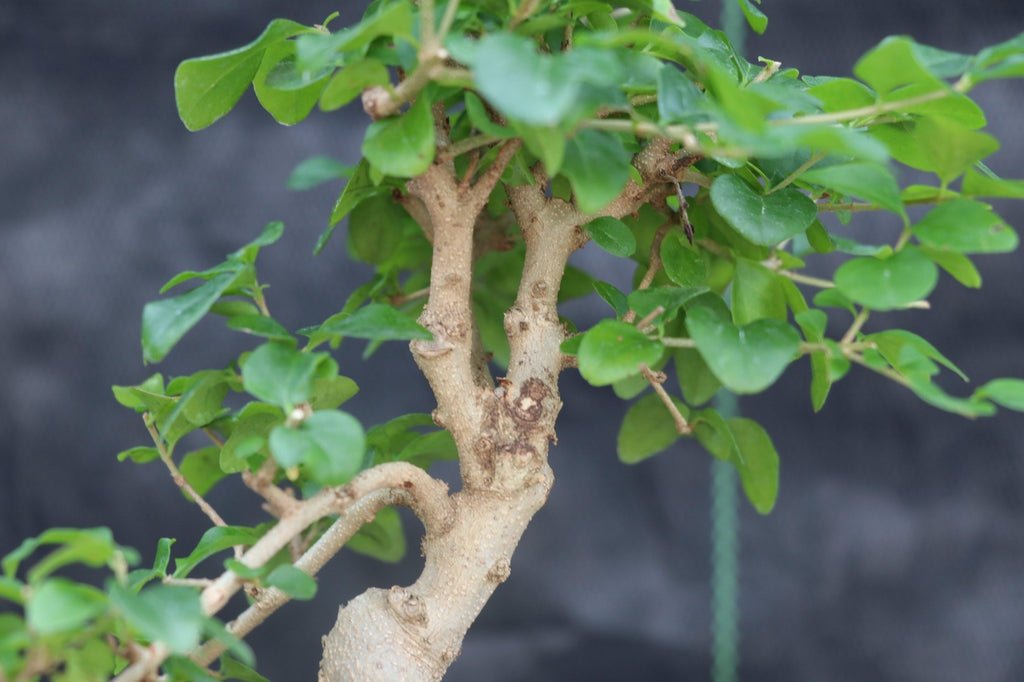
(896, 551)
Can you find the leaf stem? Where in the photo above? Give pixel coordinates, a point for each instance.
(807, 279)
(862, 112)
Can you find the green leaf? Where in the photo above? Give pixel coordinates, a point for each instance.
(547, 144)
(894, 343)
(201, 469)
(522, 84)
(92, 661)
(248, 436)
(377, 322)
(887, 284)
(756, 293)
(165, 322)
(139, 455)
(745, 359)
(294, 582)
(319, 50)
(1004, 60)
(382, 538)
(90, 546)
(957, 265)
(428, 448)
(260, 325)
(316, 170)
(231, 669)
(612, 296)
(165, 613)
(989, 185)
(869, 181)
(134, 397)
(206, 88)
(614, 350)
(683, 264)
(59, 605)
(936, 144)
(349, 83)
(763, 219)
(612, 235)
(329, 392)
(838, 94)
(214, 540)
(358, 189)
(647, 429)
(893, 63)
(279, 374)
(965, 226)
(696, 380)
(597, 166)
(759, 471)
(329, 445)
(679, 99)
(645, 301)
(755, 17)
(481, 120)
(375, 229)
(402, 146)
(966, 407)
(287, 106)
(1006, 392)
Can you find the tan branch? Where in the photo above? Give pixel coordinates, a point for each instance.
(656, 379)
(426, 496)
(315, 558)
(176, 475)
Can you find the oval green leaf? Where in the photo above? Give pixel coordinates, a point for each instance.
(764, 219)
(894, 282)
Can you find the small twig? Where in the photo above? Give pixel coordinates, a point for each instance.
(884, 371)
(279, 502)
(428, 40)
(188, 582)
(214, 438)
(771, 67)
(861, 112)
(467, 177)
(447, 20)
(807, 279)
(677, 342)
(261, 302)
(855, 327)
(399, 299)
(656, 379)
(789, 179)
(176, 475)
(466, 145)
(645, 322)
(654, 264)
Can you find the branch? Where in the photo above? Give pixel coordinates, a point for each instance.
(453, 362)
(176, 474)
(315, 558)
(425, 495)
(656, 379)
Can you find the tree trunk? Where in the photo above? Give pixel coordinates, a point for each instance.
(413, 634)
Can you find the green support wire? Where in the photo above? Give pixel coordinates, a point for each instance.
(725, 522)
(724, 561)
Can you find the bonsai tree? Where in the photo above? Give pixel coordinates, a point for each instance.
(503, 138)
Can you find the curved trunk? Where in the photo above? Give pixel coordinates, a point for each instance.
(414, 633)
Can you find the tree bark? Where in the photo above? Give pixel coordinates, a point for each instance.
(413, 634)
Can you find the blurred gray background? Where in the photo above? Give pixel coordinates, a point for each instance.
(896, 551)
